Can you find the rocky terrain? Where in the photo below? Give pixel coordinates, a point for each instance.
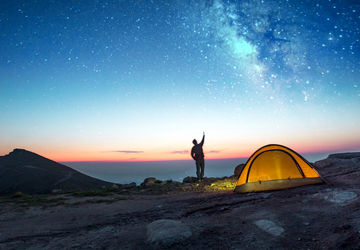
(190, 215)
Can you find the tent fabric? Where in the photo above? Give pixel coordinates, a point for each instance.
(275, 167)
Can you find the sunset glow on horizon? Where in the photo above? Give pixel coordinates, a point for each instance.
(234, 151)
(138, 81)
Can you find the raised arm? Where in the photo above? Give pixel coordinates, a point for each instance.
(203, 139)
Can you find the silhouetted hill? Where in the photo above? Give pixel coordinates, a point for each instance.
(31, 173)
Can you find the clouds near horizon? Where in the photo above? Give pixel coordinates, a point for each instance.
(187, 152)
(213, 151)
(180, 152)
(126, 151)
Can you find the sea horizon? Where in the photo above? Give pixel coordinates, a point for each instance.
(124, 172)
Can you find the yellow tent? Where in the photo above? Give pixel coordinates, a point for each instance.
(275, 167)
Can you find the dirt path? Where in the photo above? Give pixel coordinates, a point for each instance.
(67, 177)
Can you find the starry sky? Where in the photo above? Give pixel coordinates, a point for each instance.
(139, 80)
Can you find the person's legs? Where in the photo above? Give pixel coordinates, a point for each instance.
(202, 168)
(198, 169)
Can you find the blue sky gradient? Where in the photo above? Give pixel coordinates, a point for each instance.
(79, 79)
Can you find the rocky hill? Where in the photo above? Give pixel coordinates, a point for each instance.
(27, 172)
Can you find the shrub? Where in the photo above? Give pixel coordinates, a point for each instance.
(17, 195)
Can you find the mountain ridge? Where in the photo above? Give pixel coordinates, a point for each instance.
(24, 171)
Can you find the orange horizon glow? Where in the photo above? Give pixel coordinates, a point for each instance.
(242, 152)
(144, 159)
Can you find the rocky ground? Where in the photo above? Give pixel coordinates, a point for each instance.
(191, 216)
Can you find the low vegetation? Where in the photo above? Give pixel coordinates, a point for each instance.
(211, 185)
(95, 192)
(117, 192)
(226, 184)
(24, 200)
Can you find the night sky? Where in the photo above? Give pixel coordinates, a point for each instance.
(139, 80)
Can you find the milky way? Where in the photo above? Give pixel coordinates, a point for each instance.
(98, 71)
(285, 44)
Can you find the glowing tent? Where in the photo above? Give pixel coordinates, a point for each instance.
(275, 167)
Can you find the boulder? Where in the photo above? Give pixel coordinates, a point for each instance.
(129, 186)
(167, 232)
(324, 163)
(334, 162)
(238, 169)
(339, 171)
(341, 196)
(269, 227)
(167, 182)
(328, 162)
(190, 179)
(150, 181)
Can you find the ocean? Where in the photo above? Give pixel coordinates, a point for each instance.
(127, 172)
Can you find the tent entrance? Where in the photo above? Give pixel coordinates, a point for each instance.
(275, 164)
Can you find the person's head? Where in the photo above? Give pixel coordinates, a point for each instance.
(195, 142)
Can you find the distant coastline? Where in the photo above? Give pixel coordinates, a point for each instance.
(127, 172)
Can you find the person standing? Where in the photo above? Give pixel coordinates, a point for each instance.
(197, 154)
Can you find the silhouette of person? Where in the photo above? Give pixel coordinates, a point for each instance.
(198, 155)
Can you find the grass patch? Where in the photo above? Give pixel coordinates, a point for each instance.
(18, 195)
(211, 185)
(98, 192)
(95, 192)
(227, 184)
(24, 200)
